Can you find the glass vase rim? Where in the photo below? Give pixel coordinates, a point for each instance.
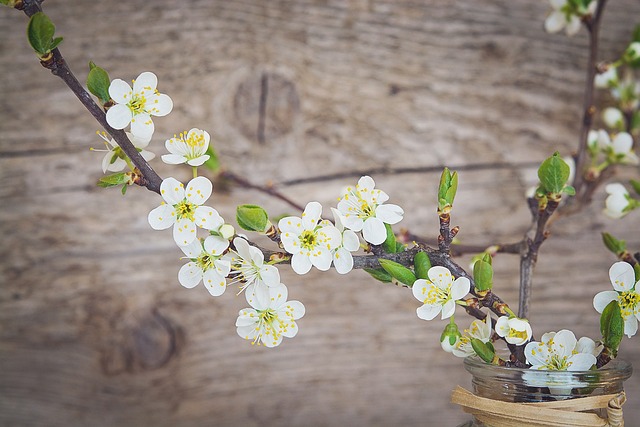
(619, 367)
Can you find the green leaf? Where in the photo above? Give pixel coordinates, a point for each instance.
(124, 189)
(113, 180)
(614, 245)
(5, 2)
(483, 275)
(569, 190)
(252, 218)
(389, 245)
(485, 351)
(398, 271)
(553, 174)
(612, 326)
(213, 164)
(635, 185)
(636, 34)
(379, 274)
(400, 247)
(98, 83)
(421, 265)
(447, 188)
(40, 31)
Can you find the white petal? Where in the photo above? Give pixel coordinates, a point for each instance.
(557, 4)
(311, 215)
(172, 191)
(295, 309)
(208, 218)
(460, 288)
(564, 343)
(630, 326)
(440, 276)
(622, 276)
(291, 224)
(278, 295)
(290, 242)
(343, 261)
(581, 362)
(502, 326)
(137, 141)
(120, 92)
(146, 82)
(198, 161)
(257, 295)
(329, 237)
(321, 258)
(247, 332)
(242, 247)
(214, 282)
(190, 275)
(622, 143)
(536, 354)
(184, 231)
(198, 190)
(290, 331)
(366, 183)
(420, 288)
(350, 241)
(270, 275)
(247, 317)
(216, 245)
(300, 263)
(428, 312)
(173, 159)
(554, 22)
(119, 116)
(147, 155)
(448, 309)
(117, 165)
(142, 125)
(615, 188)
(162, 105)
(355, 223)
(391, 214)
(374, 231)
(573, 26)
(602, 299)
(613, 117)
(162, 217)
(193, 249)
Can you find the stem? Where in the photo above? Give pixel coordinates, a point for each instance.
(195, 171)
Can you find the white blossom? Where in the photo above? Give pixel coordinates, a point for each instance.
(206, 265)
(137, 105)
(307, 241)
(364, 210)
(614, 118)
(249, 270)
(267, 323)
(189, 147)
(607, 79)
(342, 258)
(563, 16)
(114, 159)
(183, 209)
(479, 329)
(440, 293)
(514, 330)
(618, 202)
(625, 292)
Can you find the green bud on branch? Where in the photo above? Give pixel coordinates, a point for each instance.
(389, 245)
(421, 265)
(114, 180)
(252, 218)
(398, 271)
(483, 274)
(485, 351)
(98, 83)
(40, 32)
(447, 190)
(554, 174)
(612, 327)
(616, 246)
(451, 333)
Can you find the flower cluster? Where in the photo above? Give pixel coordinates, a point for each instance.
(568, 15)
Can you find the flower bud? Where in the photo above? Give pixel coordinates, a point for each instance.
(450, 336)
(252, 218)
(227, 231)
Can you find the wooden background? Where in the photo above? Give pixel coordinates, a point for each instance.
(94, 327)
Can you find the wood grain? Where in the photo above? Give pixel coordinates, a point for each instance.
(94, 327)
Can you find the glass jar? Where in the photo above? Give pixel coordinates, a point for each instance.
(516, 385)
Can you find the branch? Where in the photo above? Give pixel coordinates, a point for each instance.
(58, 67)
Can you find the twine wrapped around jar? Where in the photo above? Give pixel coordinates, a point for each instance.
(563, 413)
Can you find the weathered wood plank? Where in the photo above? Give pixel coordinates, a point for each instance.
(95, 330)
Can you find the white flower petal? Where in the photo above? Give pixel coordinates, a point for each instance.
(173, 159)
(419, 289)
(216, 245)
(390, 214)
(208, 218)
(172, 191)
(198, 190)
(353, 222)
(630, 326)
(162, 217)
(448, 309)
(142, 125)
(428, 312)
(554, 22)
(343, 261)
(184, 232)
(198, 161)
(190, 275)
(146, 82)
(270, 275)
(193, 249)
(460, 288)
(119, 116)
(321, 258)
(622, 143)
(622, 276)
(290, 224)
(311, 215)
(295, 309)
(581, 362)
(602, 299)
(573, 26)
(257, 295)
(120, 92)
(374, 231)
(300, 263)
(350, 241)
(440, 276)
(215, 283)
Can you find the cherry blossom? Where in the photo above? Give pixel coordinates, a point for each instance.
(625, 292)
(440, 293)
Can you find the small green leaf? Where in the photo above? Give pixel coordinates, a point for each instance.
(485, 351)
(569, 190)
(612, 326)
(252, 218)
(447, 189)
(398, 271)
(55, 42)
(40, 32)
(213, 164)
(614, 245)
(400, 247)
(113, 180)
(5, 2)
(389, 245)
(379, 274)
(421, 265)
(98, 83)
(124, 189)
(553, 174)
(635, 185)
(483, 275)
